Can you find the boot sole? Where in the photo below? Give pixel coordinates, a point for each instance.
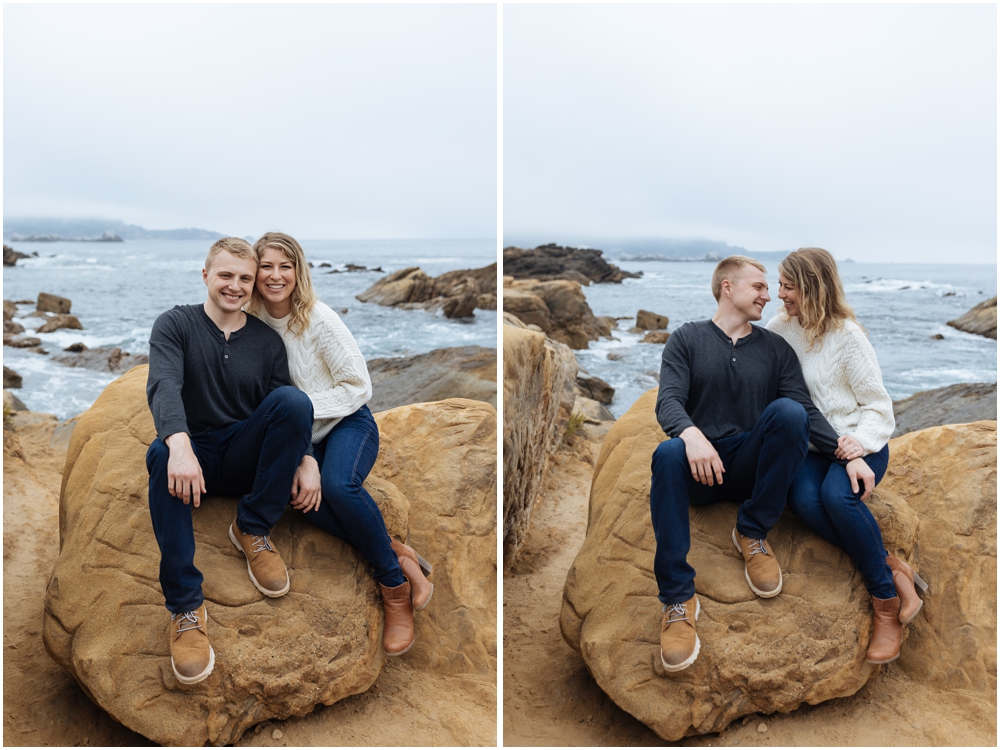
(261, 589)
(884, 661)
(697, 647)
(746, 574)
(423, 606)
(909, 619)
(400, 653)
(198, 677)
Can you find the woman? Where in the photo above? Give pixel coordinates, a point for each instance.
(325, 362)
(845, 382)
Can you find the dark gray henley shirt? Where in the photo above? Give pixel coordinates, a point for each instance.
(723, 388)
(200, 382)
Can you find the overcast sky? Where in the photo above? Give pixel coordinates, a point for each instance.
(869, 130)
(326, 121)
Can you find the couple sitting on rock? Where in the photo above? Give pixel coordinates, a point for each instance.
(795, 412)
(268, 406)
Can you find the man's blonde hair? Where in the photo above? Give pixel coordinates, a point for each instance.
(233, 246)
(728, 268)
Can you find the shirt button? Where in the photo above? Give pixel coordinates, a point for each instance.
(734, 359)
(227, 357)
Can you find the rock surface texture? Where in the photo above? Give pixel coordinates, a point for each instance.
(535, 382)
(808, 644)
(559, 308)
(550, 262)
(981, 319)
(102, 359)
(60, 321)
(456, 372)
(953, 404)
(650, 321)
(456, 293)
(53, 304)
(104, 618)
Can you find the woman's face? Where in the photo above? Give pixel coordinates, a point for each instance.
(787, 293)
(275, 277)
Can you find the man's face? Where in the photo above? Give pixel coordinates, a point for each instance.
(229, 281)
(748, 292)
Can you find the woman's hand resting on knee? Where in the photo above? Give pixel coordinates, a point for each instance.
(859, 470)
(306, 486)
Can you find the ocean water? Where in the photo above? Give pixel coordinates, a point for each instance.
(901, 305)
(118, 289)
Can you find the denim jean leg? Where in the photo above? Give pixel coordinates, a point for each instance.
(347, 511)
(772, 453)
(173, 527)
(269, 447)
(862, 538)
(670, 498)
(805, 501)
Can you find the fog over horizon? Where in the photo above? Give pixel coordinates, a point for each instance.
(869, 130)
(324, 121)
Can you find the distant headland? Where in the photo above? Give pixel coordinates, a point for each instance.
(661, 249)
(93, 230)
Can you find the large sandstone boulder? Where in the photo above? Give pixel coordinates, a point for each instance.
(60, 321)
(456, 293)
(650, 321)
(537, 379)
(757, 655)
(953, 404)
(550, 262)
(559, 308)
(981, 319)
(456, 372)
(104, 618)
(53, 303)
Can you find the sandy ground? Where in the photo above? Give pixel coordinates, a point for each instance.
(43, 705)
(550, 698)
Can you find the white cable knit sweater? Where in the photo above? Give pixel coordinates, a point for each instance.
(326, 363)
(844, 380)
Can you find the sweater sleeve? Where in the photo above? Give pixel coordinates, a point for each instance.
(675, 384)
(340, 352)
(791, 384)
(876, 424)
(166, 377)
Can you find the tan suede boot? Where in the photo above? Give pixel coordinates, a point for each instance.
(266, 568)
(762, 571)
(903, 579)
(409, 561)
(398, 634)
(887, 632)
(679, 644)
(191, 656)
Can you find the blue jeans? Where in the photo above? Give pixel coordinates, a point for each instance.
(255, 458)
(821, 496)
(347, 511)
(759, 464)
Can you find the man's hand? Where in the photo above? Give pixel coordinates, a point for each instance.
(184, 477)
(306, 486)
(858, 469)
(706, 466)
(848, 447)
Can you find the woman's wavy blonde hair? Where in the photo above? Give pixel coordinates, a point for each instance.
(822, 304)
(303, 296)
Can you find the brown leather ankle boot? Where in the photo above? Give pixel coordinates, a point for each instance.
(902, 579)
(413, 566)
(397, 635)
(887, 632)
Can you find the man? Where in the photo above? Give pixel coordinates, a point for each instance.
(734, 395)
(228, 422)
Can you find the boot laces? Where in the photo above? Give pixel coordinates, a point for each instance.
(261, 543)
(188, 621)
(676, 613)
(757, 547)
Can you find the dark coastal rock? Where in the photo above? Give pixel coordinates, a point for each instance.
(456, 293)
(12, 256)
(102, 359)
(550, 262)
(457, 372)
(352, 268)
(9, 309)
(559, 308)
(79, 346)
(650, 321)
(53, 304)
(61, 321)
(12, 403)
(594, 388)
(10, 378)
(655, 337)
(21, 343)
(981, 319)
(10, 326)
(954, 404)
